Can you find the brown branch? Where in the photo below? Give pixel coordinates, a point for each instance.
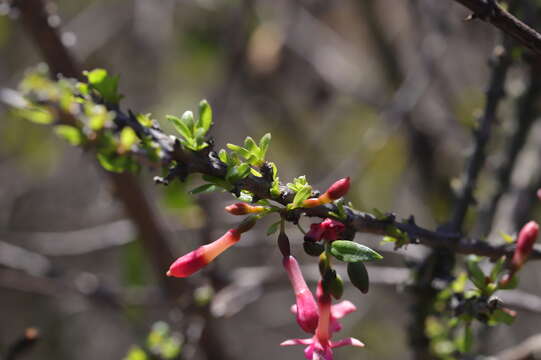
(491, 12)
(24, 343)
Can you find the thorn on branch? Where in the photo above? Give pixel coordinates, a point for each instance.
(22, 344)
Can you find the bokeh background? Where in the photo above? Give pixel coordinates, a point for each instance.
(384, 91)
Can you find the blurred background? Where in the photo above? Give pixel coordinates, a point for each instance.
(385, 91)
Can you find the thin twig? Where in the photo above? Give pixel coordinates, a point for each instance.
(494, 94)
(526, 116)
(491, 12)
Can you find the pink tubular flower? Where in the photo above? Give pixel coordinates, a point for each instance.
(338, 311)
(307, 313)
(526, 239)
(197, 259)
(321, 343)
(328, 229)
(334, 192)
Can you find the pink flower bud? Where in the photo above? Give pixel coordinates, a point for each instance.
(307, 313)
(241, 208)
(526, 239)
(197, 259)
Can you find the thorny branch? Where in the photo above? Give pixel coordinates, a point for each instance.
(491, 12)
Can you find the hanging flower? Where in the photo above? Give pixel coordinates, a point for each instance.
(320, 345)
(307, 312)
(197, 259)
(328, 229)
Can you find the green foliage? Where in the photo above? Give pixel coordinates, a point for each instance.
(251, 152)
(358, 275)
(70, 133)
(350, 251)
(302, 190)
(105, 84)
(193, 132)
(160, 342)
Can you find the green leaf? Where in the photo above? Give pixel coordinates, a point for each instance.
(188, 120)
(72, 134)
(497, 269)
(465, 340)
(264, 145)
(251, 146)
(273, 228)
(333, 283)
(239, 150)
(507, 238)
(504, 316)
(204, 189)
(301, 195)
(180, 126)
(509, 285)
(359, 276)
(222, 155)
(136, 353)
(205, 116)
(105, 85)
(128, 138)
(36, 115)
(350, 251)
(475, 273)
(144, 119)
(313, 248)
(218, 181)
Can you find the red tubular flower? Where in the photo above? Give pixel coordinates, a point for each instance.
(328, 229)
(241, 208)
(338, 189)
(334, 192)
(307, 313)
(526, 239)
(197, 259)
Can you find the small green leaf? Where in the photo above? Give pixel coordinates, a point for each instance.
(204, 189)
(497, 269)
(507, 238)
(359, 276)
(273, 228)
(128, 138)
(36, 115)
(105, 85)
(301, 195)
(465, 339)
(509, 285)
(222, 155)
(350, 251)
(475, 273)
(144, 119)
(313, 248)
(72, 134)
(180, 126)
(205, 116)
(188, 119)
(250, 145)
(504, 316)
(264, 145)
